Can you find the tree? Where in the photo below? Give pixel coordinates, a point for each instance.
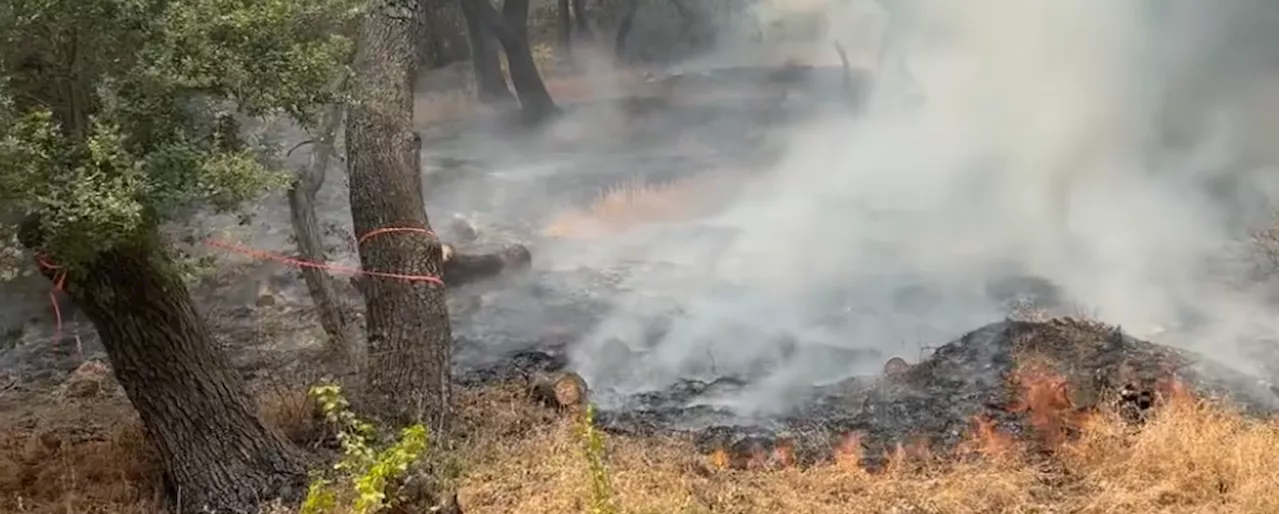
(444, 38)
(564, 29)
(491, 87)
(512, 30)
(624, 29)
(406, 321)
(573, 26)
(306, 230)
(117, 116)
(583, 24)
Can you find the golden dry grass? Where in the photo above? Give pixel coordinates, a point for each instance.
(634, 203)
(1191, 457)
(445, 106)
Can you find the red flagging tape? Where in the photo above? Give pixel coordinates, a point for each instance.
(60, 277)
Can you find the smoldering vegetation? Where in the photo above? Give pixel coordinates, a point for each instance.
(727, 248)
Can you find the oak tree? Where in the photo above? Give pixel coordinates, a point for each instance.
(117, 116)
(406, 320)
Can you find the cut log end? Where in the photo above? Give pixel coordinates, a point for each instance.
(563, 390)
(896, 366)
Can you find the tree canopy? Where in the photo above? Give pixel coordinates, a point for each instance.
(118, 115)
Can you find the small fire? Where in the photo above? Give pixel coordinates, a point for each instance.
(1045, 398)
(720, 459)
(896, 459)
(849, 450)
(1173, 391)
(784, 453)
(986, 440)
(918, 448)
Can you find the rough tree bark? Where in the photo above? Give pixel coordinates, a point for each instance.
(511, 28)
(444, 40)
(409, 341)
(583, 25)
(624, 30)
(219, 457)
(491, 87)
(306, 228)
(564, 30)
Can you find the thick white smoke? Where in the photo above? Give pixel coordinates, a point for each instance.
(1113, 147)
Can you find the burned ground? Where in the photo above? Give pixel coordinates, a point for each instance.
(1020, 376)
(1037, 383)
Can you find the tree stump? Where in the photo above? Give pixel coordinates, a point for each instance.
(563, 390)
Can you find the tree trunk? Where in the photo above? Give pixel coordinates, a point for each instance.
(444, 42)
(218, 455)
(306, 228)
(580, 16)
(512, 30)
(409, 340)
(564, 30)
(624, 30)
(491, 87)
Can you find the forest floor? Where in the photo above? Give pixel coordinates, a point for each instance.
(1192, 457)
(71, 443)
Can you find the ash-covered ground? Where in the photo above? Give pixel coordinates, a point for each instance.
(815, 241)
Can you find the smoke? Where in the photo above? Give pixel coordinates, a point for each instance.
(1117, 149)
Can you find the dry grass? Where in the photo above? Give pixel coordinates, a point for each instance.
(445, 106)
(1191, 457)
(635, 203)
(76, 458)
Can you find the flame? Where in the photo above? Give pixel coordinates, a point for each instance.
(759, 458)
(895, 459)
(849, 451)
(918, 448)
(986, 440)
(720, 459)
(1045, 398)
(784, 453)
(1174, 391)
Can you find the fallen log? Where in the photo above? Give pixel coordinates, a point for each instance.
(461, 268)
(562, 390)
(464, 268)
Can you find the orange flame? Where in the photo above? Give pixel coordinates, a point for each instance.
(849, 451)
(1045, 398)
(986, 440)
(1174, 392)
(917, 448)
(720, 459)
(784, 453)
(896, 459)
